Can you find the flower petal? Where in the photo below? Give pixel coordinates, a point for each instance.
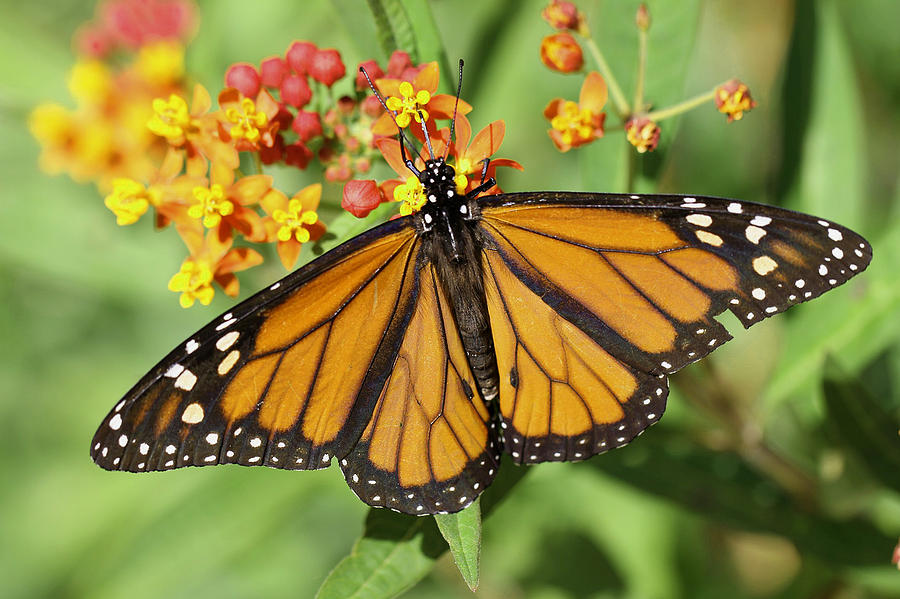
(593, 93)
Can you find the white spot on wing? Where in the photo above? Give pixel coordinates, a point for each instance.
(760, 221)
(186, 380)
(759, 293)
(228, 362)
(192, 414)
(227, 340)
(763, 265)
(734, 208)
(701, 220)
(834, 235)
(191, 346)
(115, 422)
(754, 233)
(837, 253)
(709, 238)
(174, 370)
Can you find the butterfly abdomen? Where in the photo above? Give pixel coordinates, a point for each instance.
(463, 283)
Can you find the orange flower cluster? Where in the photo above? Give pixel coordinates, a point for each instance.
(576, 124)
(153, 146)
(414, 105)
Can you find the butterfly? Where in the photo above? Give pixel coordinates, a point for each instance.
(541, 325)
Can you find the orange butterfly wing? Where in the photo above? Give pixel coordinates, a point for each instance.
(249, 388)
(594, 298)
(429, 447)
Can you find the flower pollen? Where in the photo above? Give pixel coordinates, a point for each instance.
(575, 124)
(643, 134)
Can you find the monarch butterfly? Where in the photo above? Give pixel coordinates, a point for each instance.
(542, 325)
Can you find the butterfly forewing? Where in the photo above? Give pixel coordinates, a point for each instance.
(249, 388)
(635, 282)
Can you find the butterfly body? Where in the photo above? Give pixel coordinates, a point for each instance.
(541, 325)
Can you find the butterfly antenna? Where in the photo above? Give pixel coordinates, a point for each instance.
(455, 106)
(425, 132)
(403, 141)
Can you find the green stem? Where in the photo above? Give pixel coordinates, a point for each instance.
(642, 63)
(257, 162)
(665, 113)
(615, 91)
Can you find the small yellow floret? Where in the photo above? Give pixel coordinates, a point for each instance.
(410, 105)
(412, 194)
(194, 281)
(129, 200)
(161, 63)
(247, 121)
(293, 220)
(170, 118)
(210, 205)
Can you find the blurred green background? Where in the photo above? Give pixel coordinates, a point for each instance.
(761, 481)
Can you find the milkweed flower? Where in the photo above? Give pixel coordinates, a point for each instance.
(435, 106)
(573, 125)
(733, 99)
(247, 122)
(643, 134)
(561, 14)
(560, 52)
(211, 260)
(293, 222)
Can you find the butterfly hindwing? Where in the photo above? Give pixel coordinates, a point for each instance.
(250, 387)
(429, 447)
(642, 278)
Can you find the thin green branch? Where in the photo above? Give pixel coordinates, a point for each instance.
(618, 98)
(665, 113)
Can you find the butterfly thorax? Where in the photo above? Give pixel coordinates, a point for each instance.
(446, 224)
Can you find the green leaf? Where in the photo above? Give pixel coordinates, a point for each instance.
(394, 552)
(428, 41)
(863, 425)
(395, 30)
(462, 531)
(397, 550)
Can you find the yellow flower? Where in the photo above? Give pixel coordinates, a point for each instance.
(410, 105)
(247, 121)
(129, 200)
(194, 281)
(733, 99)
(210, 205)
(161, 64)
(170, 118)
(293, 220)
(90, 82)
(412, 194)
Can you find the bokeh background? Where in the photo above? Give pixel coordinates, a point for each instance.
(761, 481)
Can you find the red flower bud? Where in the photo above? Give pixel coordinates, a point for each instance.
(299, 56)
(372, 69)
(243, 77)
(297, 155)
(561, 14)
(360, 197)
(372, 107)
(397, 64)
(295, 91)
(307, 125)
(562, 53)
(327, 67)
(273, 71)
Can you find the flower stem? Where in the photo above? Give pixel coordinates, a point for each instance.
(665, 113)
(615, 91)
(257, 163)
(642, 63)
